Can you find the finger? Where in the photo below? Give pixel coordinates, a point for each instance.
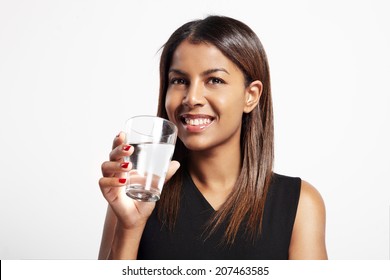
(118, 140)
(112, 188)
(110, 168)
(112, 182)
(173, 167)
(121, 151)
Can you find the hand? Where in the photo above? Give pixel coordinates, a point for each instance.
(130, 213)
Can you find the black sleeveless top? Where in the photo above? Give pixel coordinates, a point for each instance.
(187, 242)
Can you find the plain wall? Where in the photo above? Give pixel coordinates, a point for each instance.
(71, 73)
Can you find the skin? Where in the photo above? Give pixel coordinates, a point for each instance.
(126, 218)
(308, 236)
(203, 84)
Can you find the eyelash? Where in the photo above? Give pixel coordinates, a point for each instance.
(178, 81)
(215, 80)
(181, 81)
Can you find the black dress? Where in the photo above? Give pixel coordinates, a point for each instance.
(187, 242)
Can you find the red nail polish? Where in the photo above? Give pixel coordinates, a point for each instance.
(124, 164)
(126, 147)
(122, 180)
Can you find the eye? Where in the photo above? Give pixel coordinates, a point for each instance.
(215, 81)
(178, 81)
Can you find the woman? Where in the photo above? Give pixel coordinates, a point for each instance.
(224, 202)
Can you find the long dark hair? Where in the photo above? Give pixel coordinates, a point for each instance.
(246, 201)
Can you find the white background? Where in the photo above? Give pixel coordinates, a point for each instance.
(71, 73)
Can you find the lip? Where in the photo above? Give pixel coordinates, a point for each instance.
(196, 122)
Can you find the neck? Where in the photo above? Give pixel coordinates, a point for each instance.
(217, 169)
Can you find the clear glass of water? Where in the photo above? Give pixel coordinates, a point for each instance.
(153, 139)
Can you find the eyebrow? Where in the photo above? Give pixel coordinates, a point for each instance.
(204, 73)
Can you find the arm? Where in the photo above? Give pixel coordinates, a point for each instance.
(118, 242)
(125, 243)
(126, 218)
(308, 236)
(108, 234)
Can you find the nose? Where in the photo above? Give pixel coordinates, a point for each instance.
(194, 95)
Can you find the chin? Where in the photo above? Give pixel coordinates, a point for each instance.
(195, 145)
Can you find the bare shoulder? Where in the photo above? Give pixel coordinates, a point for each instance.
(308, 236)
(310, 198)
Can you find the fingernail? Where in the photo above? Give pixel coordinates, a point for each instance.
(118, 135)
(122, 180)
(124, 164)
(126, 147)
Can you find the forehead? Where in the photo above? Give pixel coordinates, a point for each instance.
(201, 56)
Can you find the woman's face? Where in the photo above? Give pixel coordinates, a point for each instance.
(205, 97)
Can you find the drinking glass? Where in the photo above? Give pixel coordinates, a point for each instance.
(153, 139)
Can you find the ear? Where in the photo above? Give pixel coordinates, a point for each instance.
(252, 95)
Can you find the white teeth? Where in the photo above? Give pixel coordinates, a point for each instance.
(197, 121)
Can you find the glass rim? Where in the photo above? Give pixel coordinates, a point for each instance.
(171, 124)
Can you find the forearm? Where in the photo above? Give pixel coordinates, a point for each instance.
(126, 242)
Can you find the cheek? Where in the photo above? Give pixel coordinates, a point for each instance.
(171, 104)
(232, 105)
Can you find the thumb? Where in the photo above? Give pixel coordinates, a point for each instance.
(173, 167)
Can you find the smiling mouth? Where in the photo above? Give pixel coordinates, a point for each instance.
(196, 120)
